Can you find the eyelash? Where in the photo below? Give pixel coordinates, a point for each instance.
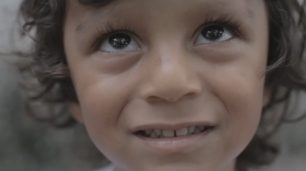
(108, 29)
(227, 21)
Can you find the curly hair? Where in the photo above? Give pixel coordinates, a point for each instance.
(43, 20)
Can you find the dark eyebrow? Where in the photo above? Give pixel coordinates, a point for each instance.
(95, 2)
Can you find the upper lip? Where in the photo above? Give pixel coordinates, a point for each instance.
(162, 126)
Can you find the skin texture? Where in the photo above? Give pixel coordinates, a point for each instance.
(168, 78)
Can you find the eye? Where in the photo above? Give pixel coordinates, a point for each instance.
(214, 33)
(119, 42)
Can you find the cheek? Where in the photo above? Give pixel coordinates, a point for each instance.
(244, 105)
(242, 96)
(239, 87)
(243, 100)
(102, 99)
(101, 103)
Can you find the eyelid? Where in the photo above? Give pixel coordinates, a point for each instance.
(227, 21)
(106, 44)
(227, 35)
(95, 2)
(107, 30)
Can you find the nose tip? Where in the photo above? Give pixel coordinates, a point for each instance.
(171, 89)
(171, 77)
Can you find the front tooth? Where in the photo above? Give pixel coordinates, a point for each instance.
(156, 133)
(201, 128)
(182, 132)
(191, 129)
(148, 132)
(198, 130)
(168, 133)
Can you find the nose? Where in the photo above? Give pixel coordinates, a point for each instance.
(171, 79)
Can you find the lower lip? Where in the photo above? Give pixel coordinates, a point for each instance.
(177, 144)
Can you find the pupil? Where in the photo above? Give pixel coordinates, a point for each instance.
(120, 40)
(214, 32)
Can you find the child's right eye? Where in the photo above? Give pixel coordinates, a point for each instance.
(119, 42)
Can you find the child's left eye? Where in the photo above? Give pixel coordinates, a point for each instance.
(119, 42)
(214, 33)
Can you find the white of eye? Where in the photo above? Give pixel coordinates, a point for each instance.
(213, 34)
(118, 43)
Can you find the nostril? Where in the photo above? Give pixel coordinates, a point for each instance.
(156, 99)
(191, 94)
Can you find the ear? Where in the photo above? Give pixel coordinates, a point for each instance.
(75, 110)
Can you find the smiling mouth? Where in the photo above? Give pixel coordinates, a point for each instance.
(156, 133)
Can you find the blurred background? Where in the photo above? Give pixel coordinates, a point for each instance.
(26, 145)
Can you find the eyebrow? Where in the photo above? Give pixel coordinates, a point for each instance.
(93, 3)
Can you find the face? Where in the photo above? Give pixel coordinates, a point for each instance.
(168, 85)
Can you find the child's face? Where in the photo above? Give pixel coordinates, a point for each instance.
(169, 85)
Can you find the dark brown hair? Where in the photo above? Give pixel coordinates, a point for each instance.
(43, 21)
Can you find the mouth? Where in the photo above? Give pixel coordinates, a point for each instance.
(164, 133)
(169, 139)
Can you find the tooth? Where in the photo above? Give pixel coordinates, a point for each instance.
(148, 132)
(182, 132)
(198, 130)
(201, 128)
(168, 133)
(191, 129)
(156, 133)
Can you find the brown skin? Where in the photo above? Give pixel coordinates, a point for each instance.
(168, 76)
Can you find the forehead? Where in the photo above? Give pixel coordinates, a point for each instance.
(246, 6)
(87, 12)
(105, 2)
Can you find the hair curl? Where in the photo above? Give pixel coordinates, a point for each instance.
(44, 19)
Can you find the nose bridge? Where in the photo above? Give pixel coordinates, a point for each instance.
(173, 69)
(172, 77)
